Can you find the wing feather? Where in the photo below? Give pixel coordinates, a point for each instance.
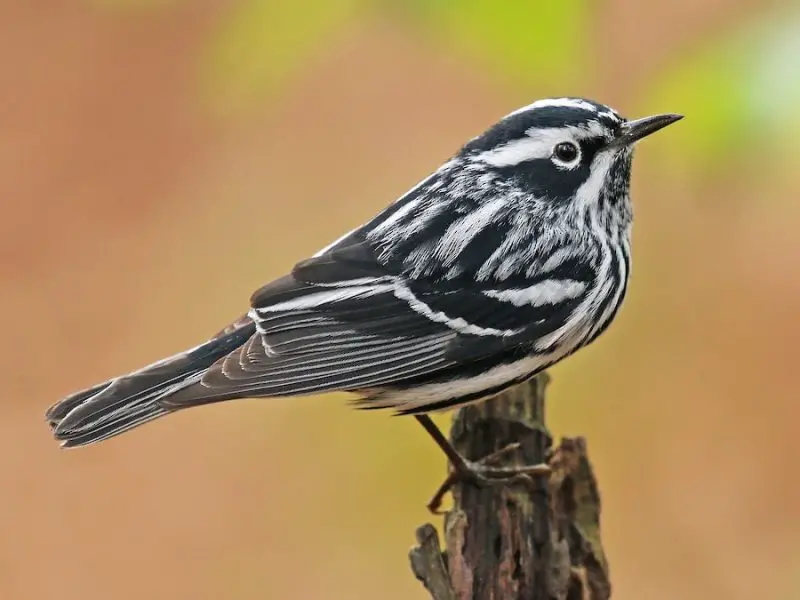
(343, 322)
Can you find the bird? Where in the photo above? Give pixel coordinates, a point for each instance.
(511, 256)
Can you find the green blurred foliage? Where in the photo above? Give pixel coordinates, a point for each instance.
(260, 43)
(739, 88)
(522, 40)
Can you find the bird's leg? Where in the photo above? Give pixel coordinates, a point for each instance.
(481, 472)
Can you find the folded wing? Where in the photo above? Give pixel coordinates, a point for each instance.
(342, 321)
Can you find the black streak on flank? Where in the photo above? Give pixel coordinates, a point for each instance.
(477, 252)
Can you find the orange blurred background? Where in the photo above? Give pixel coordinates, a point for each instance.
(161, 160)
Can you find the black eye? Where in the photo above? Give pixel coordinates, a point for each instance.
(565, 152)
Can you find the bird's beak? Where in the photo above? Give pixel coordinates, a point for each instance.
(633, 131)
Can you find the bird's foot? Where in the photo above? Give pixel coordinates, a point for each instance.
(486, 472)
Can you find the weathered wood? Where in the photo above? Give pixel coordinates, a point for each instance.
(427, 562)
(534, 539)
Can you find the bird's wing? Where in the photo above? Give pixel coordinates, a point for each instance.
(342, 321)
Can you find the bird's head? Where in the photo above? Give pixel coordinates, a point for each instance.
(567, 152)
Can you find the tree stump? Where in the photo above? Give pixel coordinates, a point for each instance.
(534, 540)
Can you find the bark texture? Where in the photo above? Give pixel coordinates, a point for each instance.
(533, 539)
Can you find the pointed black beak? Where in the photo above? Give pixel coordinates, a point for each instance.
(633, 131)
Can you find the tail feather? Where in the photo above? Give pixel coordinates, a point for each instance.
(102, 431)
(123, 403)
(59, 410)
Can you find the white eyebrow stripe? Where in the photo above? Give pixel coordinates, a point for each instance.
(538, 143)
(516, 152)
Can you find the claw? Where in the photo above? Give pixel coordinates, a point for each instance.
(483, 474)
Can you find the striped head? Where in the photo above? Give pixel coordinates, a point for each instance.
(548, 180)
(567, 153)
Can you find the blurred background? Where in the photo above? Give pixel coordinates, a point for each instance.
(159, 160)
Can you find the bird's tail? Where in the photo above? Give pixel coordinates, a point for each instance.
(120, 404)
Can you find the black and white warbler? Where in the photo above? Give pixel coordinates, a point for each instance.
(511, 256)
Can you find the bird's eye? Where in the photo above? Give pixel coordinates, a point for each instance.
(566, 153)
